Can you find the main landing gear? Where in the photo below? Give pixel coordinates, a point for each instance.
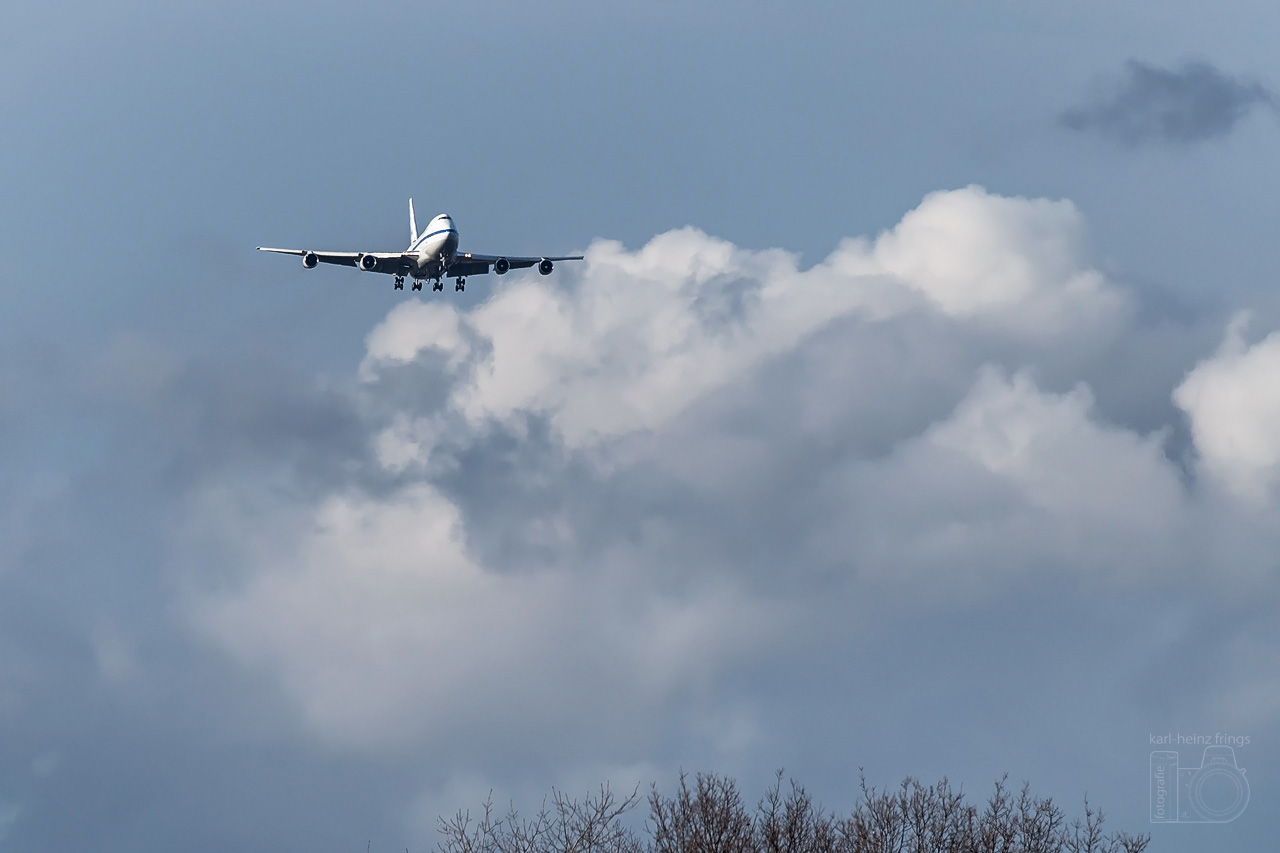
(437, 284)
(461, 283)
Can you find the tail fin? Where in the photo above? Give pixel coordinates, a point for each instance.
(413, 225)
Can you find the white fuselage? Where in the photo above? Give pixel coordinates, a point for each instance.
(435, 247)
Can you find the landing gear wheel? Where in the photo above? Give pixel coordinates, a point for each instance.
(399, 282)
(437, 285)
(461, 285)
(417, 285)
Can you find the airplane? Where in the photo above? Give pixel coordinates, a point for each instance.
(432, 255)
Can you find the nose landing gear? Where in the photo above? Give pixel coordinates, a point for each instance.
(417, 284)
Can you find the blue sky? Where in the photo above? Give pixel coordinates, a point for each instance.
(894, 421)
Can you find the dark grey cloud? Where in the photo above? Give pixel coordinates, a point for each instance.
(1189, 104)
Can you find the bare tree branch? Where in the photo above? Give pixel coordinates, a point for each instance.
(707, 815)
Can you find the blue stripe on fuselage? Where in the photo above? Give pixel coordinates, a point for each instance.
(426, 237)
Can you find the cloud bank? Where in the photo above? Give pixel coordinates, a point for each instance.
(592, 502)
(1193, 103)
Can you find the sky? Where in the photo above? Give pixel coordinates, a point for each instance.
(913, 412)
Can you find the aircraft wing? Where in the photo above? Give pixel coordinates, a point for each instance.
(394, 263)
(470, 263)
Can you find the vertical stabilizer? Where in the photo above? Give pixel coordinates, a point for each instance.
(413, 225)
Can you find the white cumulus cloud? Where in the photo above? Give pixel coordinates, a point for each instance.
(590, 499)
(384, 629)
(1233, 402)
(639, 336)
(1014, 481)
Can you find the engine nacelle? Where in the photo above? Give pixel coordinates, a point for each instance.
(502, 266)
(368, 263)
(545, 266)
(310, 260)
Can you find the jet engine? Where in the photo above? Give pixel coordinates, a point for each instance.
(545, 266)
(368, 263)
(501, 266)
(310, 260)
